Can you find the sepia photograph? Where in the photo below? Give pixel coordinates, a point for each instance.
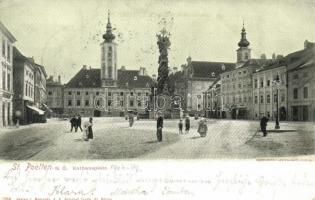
(154, 81)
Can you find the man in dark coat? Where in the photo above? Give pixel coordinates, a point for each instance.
(73, 123)
(79, 122)
(159, 126)
(187, 124)
(263, 125)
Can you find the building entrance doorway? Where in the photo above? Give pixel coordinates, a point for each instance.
(97, 113)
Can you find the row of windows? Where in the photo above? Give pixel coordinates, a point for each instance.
(109, 103)
(109, 93)
(268, 82)
(29, 91)
(233, 74)
(268, 98)
(6, 50)
(235, 99)
(296, 93)
(29, 74)
(240, 85)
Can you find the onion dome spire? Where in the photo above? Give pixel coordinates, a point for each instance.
(243, 42)
(108, 36)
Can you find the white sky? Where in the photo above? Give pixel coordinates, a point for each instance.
(65, 34)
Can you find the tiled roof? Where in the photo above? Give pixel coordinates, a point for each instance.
(17, 55)
(257, 63)
(300, 59)
(296, 60)
(203, 69)
(91, 78)
(132, 79)
(86, 78)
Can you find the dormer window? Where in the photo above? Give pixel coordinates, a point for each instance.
(135, 78)
(213, 74)
(147, 85)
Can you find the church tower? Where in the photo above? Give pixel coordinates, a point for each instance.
(109, 57)
(243, 52)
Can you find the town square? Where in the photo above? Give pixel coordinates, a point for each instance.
(97, 85)
(157, 99)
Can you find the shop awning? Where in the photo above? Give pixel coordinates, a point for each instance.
(39, 111)
(47, 108)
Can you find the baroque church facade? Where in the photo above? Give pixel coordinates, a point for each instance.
(107, 91)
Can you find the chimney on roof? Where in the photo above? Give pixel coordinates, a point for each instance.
(84, 67)
(59, 79)
(273, 56)
(306, 44)
(154, 76)
(142, 71)
(223, 67)
(50, 78)
(263, 56)
(175, 69)
(123, 68)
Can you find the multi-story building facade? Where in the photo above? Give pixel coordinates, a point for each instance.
(6, 73)
(270, 89)
(237, 85)
(55, 95)
(24, 88)
(213, 101)
(301, 83)
(84, 95)
(40, 93)
(107, 91)
(195, 78)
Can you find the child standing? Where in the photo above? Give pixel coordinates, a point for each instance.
(180, 126)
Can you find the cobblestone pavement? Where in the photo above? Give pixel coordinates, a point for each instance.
(113, 139)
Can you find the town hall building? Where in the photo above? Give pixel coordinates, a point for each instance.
(107, 91)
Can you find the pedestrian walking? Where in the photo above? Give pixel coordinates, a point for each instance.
(187, 125)
(85, 134)
(131, 119)
(73, 123)
(159, 126)
(90, 128)
(180, 126)
(202, 127)
(79, 121)
(263, 125)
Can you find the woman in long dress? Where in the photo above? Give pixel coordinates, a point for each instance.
(203, 128)
(85, 134)
(90, 130)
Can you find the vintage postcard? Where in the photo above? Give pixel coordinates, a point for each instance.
(157, 99)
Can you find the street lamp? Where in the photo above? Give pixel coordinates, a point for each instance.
(277, 83)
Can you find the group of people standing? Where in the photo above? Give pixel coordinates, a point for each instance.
(202, 126)
(187, 125)
(76, 123)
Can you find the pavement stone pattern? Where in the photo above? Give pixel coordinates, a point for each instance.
(114, 139)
